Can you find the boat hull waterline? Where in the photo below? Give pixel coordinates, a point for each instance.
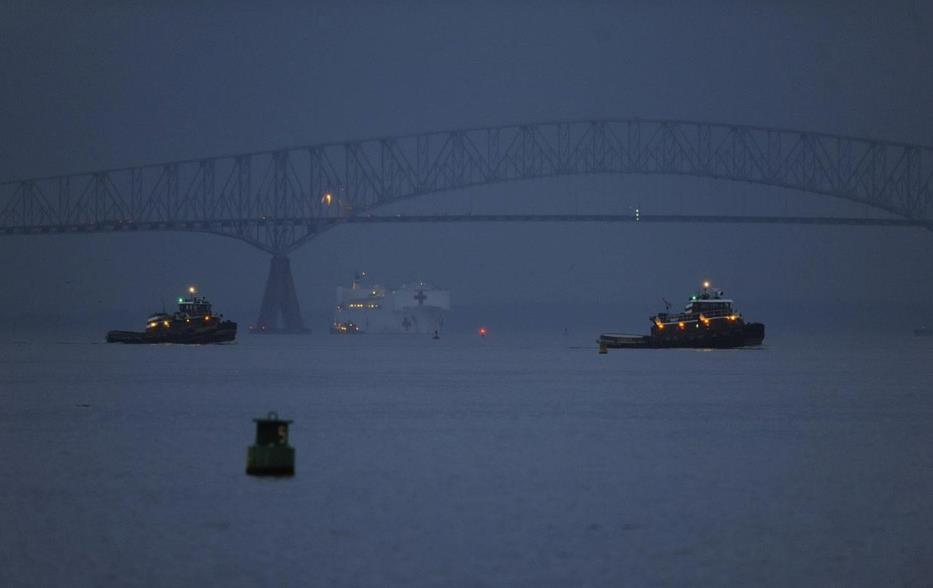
(221, 333)
(746, 335)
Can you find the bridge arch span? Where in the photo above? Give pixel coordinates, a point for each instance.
(278, 199)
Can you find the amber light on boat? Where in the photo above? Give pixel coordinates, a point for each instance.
(165, 323)
(681, 325)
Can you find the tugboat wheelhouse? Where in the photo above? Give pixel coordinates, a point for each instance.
(703, 308)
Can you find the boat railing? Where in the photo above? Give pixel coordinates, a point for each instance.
(720, 312)
(673, 318)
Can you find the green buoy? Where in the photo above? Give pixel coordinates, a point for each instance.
(271, 455)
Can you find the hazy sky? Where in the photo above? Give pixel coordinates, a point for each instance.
(104, 84)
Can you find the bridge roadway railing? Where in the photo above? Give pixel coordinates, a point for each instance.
(279, 199)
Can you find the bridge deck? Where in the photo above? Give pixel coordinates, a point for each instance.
(320, 223)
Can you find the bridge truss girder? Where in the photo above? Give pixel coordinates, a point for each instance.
(277, 200)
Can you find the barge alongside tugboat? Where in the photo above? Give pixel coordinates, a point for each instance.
(708, 321)
(194, 323)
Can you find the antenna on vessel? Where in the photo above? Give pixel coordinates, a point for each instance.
(667, 305)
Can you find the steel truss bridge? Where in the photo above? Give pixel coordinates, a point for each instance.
(278, 200)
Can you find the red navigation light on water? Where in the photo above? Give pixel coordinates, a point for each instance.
(482, 331)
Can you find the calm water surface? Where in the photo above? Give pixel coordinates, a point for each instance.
(467, 462)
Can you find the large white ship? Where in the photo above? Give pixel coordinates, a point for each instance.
(366, 307)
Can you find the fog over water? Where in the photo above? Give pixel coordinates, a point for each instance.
(100, 85)
(522, 459)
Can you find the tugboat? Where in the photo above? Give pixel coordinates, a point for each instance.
(194, 322)
(344, 328)
(708, 321)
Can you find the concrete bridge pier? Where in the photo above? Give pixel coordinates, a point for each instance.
(280, 301)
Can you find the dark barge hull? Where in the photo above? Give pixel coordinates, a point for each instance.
(746, 335)
(221, 333)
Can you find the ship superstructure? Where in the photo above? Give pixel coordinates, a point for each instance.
(366, 307)
(703, 308)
